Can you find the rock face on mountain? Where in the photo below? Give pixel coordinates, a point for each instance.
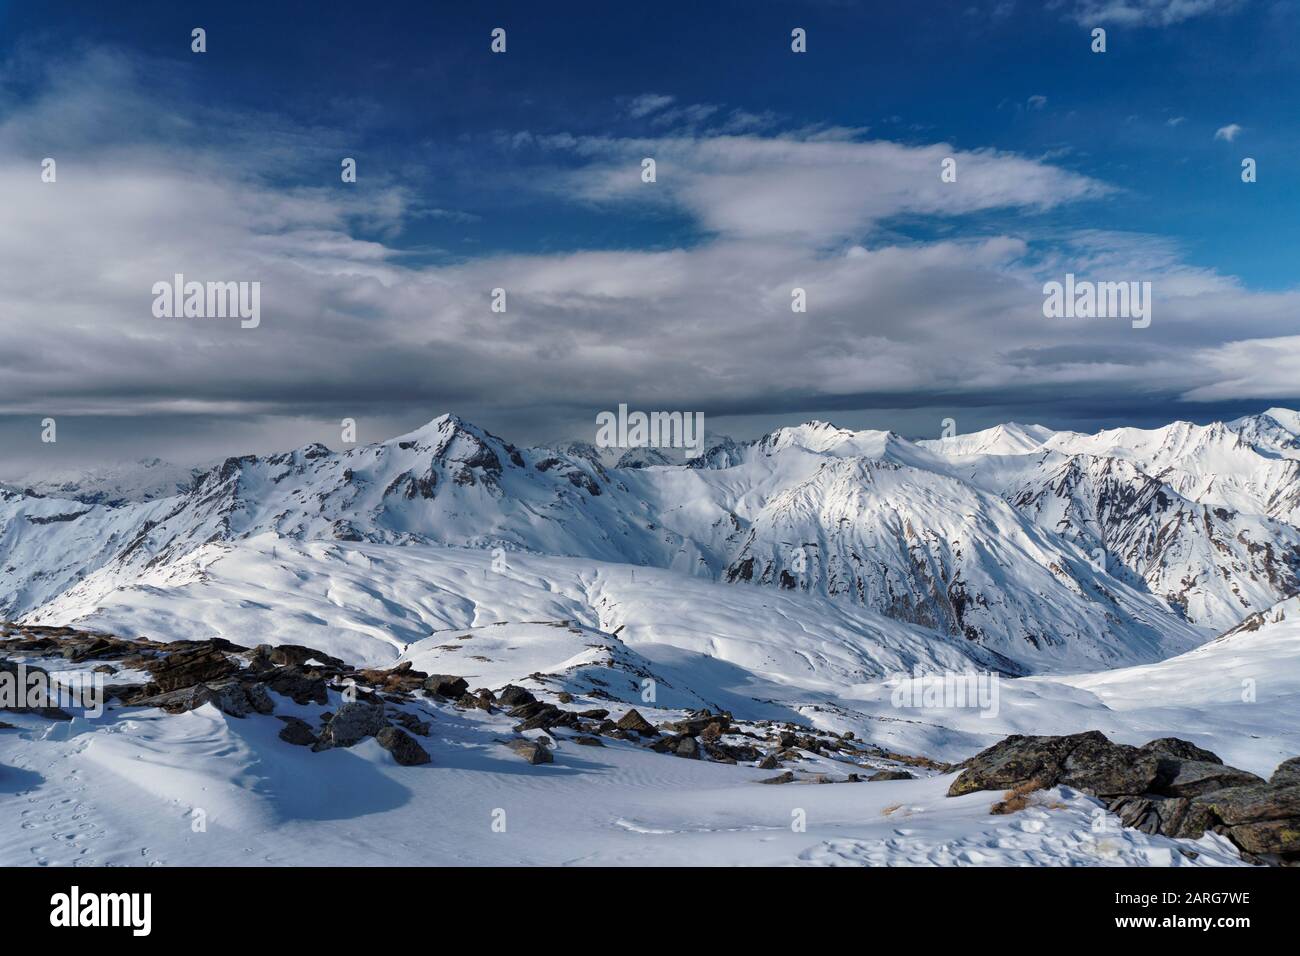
(1167, 786)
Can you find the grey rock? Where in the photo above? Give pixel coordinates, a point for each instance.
(352, 723)
(1177, 747)
(1287, 772)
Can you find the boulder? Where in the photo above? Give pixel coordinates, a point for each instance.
(233, 698)
(890, 775)
(402, 746)
(297, 732)
(1097, 766)
(1020, 761)
(1239, 805)
(530, 750)
(698, 722)
(787, 777)
(352, 723)
(1183, 749)
(1193, 778)
(1269, 840)
(633, 722)
(513, 696)
(446, 685)
(1167, 786)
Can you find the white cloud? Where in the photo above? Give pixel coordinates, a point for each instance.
(648, 103)
(1158, 13)
(1266, 368)
(1227, 133)
(1037, 102)
(821, 186)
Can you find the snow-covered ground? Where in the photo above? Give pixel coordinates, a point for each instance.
(123, 789)
(132, 790)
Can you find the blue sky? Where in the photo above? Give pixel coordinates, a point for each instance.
(410, 86)
(478, 166)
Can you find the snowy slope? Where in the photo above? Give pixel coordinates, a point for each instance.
(1238, 696)
(373, 603)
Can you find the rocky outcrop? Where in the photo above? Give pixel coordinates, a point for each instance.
(233, 697)
(1167, 786)
(185, 668)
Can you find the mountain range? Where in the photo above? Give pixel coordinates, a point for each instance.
(1027, 549)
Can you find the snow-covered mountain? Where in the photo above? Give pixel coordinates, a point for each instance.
(1211, 464)
(1204, 517)
(1277, 430)
(112, 484)
(1046, 550)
